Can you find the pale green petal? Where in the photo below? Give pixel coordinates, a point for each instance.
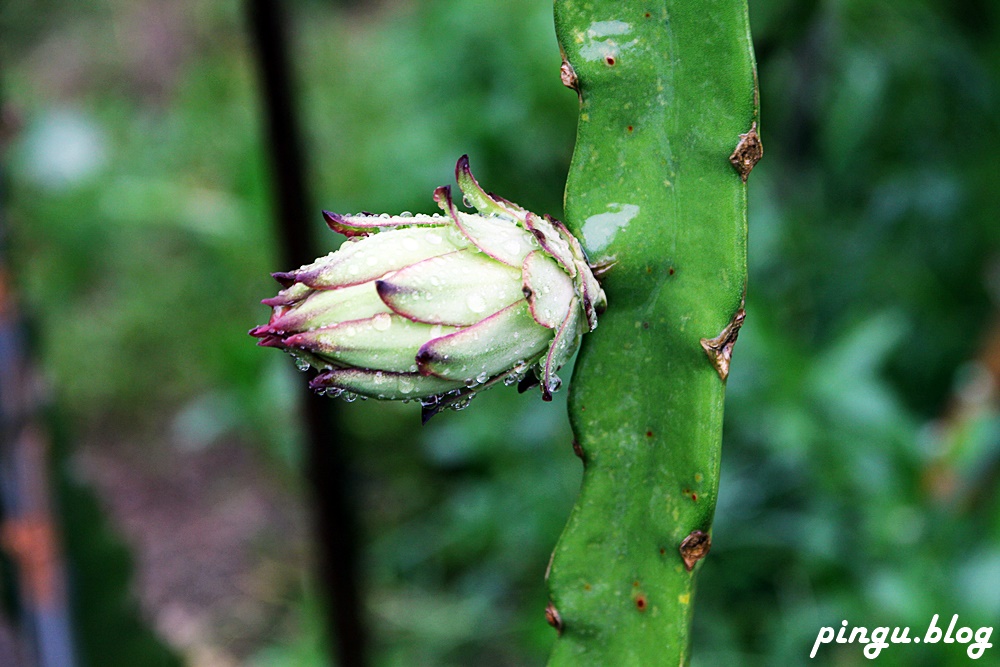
(495, 345)
(383, 385)
(364, 224)
(460, 288)
(327, 307)
(475, 196)
(499, 238)
(548, 288)
(564, 345)
(552, 242)
(384, 342)
(373, 256)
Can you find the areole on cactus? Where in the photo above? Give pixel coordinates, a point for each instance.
(438, 307)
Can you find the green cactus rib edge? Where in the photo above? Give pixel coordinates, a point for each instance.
(657, 194)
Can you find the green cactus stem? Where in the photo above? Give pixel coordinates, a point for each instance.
(657, 195)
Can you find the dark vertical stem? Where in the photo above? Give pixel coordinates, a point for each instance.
(334, 512)
(29, 532)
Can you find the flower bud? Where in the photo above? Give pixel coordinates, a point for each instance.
(438, 307)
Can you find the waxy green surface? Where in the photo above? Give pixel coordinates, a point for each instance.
(666, 87)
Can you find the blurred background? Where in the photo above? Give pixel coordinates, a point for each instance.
(142, 211)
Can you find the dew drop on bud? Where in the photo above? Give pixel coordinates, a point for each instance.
(466, 201)
(381, 321)
(301, 364)
(406, 214)
(482, 377)
(405, 385)
(476, 303)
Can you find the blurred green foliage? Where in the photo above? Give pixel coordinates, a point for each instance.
(862, 448)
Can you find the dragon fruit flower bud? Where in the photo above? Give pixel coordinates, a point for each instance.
(438, 307)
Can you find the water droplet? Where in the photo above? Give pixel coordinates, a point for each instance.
(482, 377)
(463, 403)
(410, 244)
(349, 397)
(406, 214)
(433, 239)
(466, 201)
(406, 385)
(476, 303)
(381, 321)
(301, 364)
(384, 216)
(513, 246)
